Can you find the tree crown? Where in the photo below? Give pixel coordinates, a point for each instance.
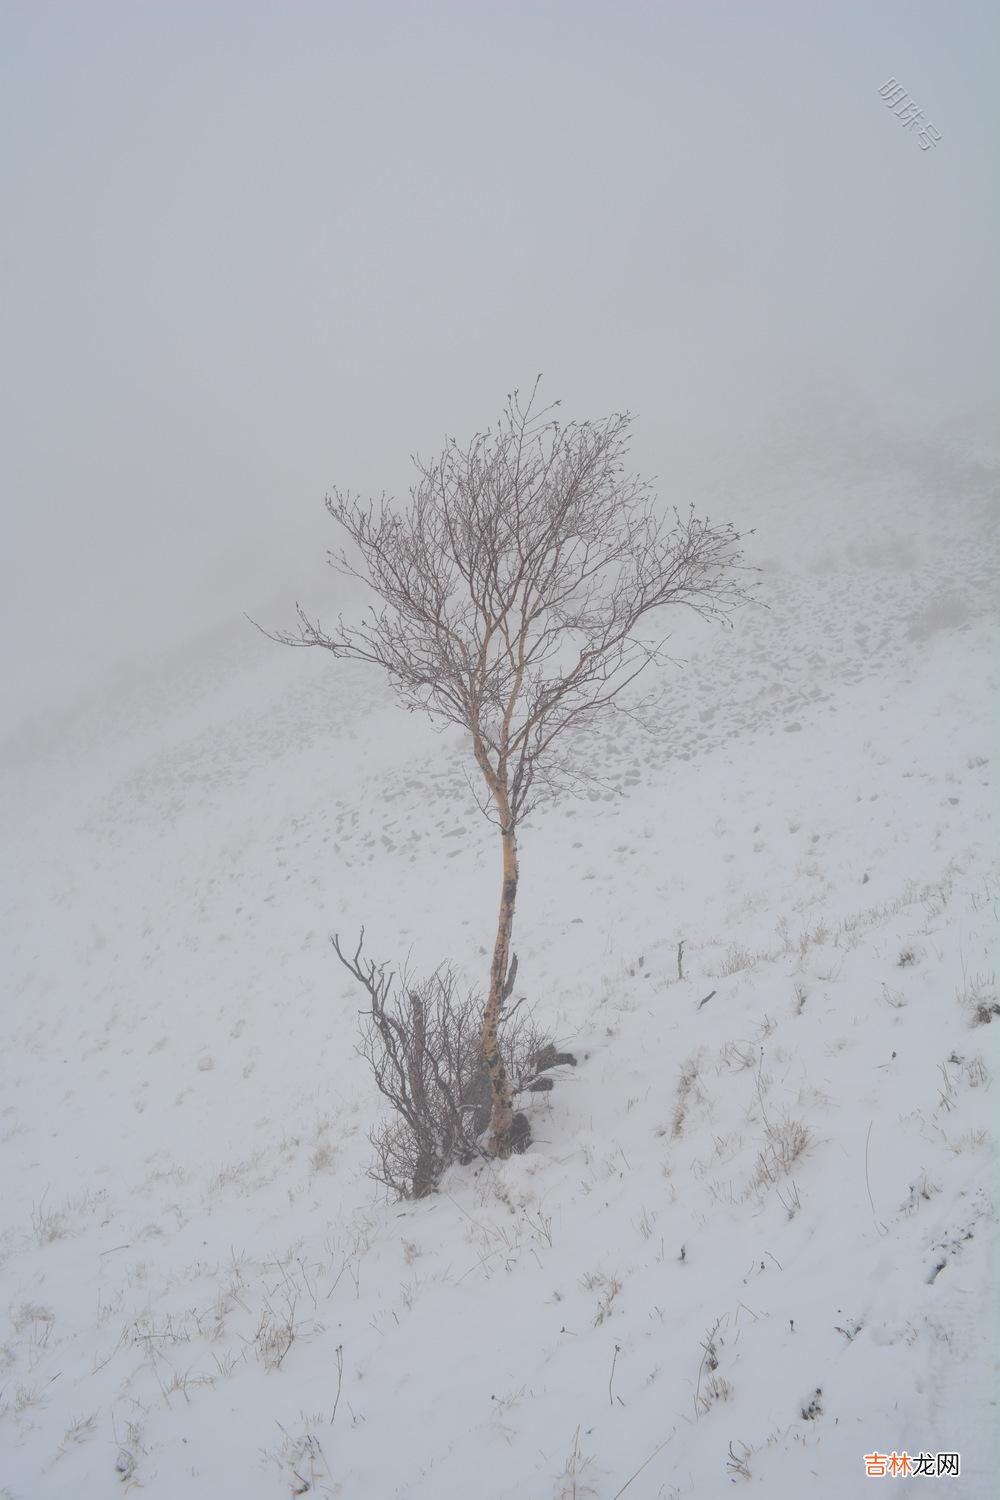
(513, 588)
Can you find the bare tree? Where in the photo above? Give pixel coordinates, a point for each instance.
(513, 589)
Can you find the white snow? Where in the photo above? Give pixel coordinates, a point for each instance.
(183, 1120)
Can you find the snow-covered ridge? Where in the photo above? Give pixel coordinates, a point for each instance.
(754, 1235)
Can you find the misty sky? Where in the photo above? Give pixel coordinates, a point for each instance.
(252, 250)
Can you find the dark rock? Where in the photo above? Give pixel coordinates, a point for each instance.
(520, 1134)
(548, 1058)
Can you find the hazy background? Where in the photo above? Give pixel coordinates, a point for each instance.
(253, 250)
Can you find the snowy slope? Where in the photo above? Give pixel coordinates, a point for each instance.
(755, 1234)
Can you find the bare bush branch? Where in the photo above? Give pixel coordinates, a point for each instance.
(421, 1039)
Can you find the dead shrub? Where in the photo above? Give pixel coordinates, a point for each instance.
(787, 1140)
(978, 997)
(421, 1037)
(685, 1085)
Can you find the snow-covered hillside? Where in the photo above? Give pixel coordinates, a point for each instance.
(754, 1236)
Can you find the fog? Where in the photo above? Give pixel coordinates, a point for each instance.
(255, 250)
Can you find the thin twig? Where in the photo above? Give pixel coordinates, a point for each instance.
(340, 1380)
(618, 1493)
(882, 1229)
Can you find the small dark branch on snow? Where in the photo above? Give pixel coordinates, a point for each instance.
(614, 1361)
(340, 1381)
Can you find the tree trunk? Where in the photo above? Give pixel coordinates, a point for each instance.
(502, 1115)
